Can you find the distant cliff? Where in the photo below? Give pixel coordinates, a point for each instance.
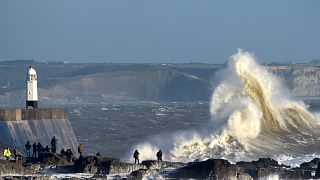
(109, 82)
(303, 80)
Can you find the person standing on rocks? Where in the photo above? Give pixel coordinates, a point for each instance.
(53, 144)
(80, 150)
(28, 147)
(39, 149)
(47, 149)
(136, 156)
(63, 152)
(69, 155)
(7, 153)
(34, 150)
(159, 155)
(16, 154)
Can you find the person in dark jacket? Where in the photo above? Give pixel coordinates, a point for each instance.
(47, 149)
(159, 155)
(136, 156)
(80, 150)
(28, 147)
(34, 150)
(15, 153)
(69, 155)
(54, 144)
(39, 149)
(63, 152)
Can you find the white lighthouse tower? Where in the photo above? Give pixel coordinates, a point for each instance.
(32, 88)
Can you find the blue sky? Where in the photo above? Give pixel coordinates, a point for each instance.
(163, 31)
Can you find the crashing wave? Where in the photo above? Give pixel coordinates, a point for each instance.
(252, 116)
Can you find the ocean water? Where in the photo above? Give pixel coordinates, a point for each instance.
(114, 128)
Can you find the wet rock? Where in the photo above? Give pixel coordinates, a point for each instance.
(313, 164)
(152, 164)
(317, 175)
(291, 174)
(261, 168)
(211, 168)
(54, 159)
(125, 168)
(104, 165)
(261, 163)
(10, 167)
(141, 173)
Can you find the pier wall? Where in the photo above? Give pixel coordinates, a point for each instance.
(17, 126)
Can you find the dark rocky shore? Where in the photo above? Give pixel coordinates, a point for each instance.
(104, 167)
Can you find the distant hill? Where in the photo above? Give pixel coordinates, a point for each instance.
(110, 82)
(104, 82)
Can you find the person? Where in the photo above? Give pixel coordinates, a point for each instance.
(16, 154)
(34, 150)
(159, 155)
(39, 149)
(80, 150)
(98, 155)
(69, 155)
(136, 156)
(47, 149)
(98, 158)
(28, 147)
(7, 153)
(53, 144)
(63, 152)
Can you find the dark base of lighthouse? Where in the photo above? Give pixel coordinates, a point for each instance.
(33, 104)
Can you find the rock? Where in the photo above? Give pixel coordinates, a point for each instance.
(313, 164)
(125, 168)
(291, 174)
(261, 163)
(141, 173)
(261, 168)
(152, 164)
(54, 159)
(104, 165)
(317, 175)
(211, 168)
(10, 167)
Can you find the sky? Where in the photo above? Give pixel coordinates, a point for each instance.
(162, 31)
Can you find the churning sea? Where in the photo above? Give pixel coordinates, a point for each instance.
(114, 128)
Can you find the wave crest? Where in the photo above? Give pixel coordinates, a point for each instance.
(253, 116)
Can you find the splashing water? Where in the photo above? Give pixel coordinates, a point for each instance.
(252, 117)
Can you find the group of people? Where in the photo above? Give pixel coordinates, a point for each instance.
(68, 153)
(38, 150)
(136, 156)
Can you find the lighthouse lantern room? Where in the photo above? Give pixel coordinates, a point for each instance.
(32, 89)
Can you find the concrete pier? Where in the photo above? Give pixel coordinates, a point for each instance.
(17, 126)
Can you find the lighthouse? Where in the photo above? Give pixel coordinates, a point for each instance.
(32, 89)
(17, 126)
